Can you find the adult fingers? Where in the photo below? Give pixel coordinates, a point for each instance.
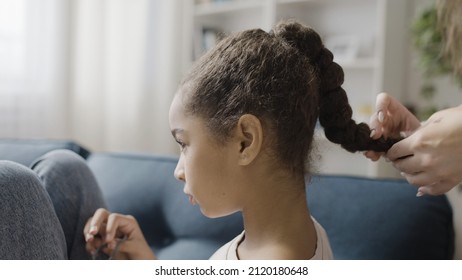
(412, 164)
(434, 189)
(427, 185)
(375, 126)
(378, 120)
(438, 188)
(374, 156)
(419, 179)
(382, 104)
(401, 150)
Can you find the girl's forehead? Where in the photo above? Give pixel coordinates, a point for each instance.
(178, 116)
(176, 112)
(181, 98)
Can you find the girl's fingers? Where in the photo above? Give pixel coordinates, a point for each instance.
(111, 228)
(111, 234)
(86, 229)
(97, 221)
(94, 245)
(90, 248)
(119, 224)
(96, 225)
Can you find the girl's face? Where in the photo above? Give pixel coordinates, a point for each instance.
(208, 169)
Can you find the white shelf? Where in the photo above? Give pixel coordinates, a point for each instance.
(217, 8)
(378, 65)
(287, 2)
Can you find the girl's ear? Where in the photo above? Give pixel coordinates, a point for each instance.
(250, 136)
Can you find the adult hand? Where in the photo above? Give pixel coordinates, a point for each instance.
(391, 120)
(431, 157)
(106, 230)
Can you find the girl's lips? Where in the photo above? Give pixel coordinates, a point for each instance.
(190, 197)
(192, 200)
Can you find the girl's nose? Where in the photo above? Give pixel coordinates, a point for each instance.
(179, 170)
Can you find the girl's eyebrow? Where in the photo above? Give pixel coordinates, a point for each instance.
(177, 131)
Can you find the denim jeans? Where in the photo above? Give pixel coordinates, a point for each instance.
(43, 209)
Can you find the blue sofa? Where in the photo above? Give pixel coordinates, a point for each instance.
(364, 218)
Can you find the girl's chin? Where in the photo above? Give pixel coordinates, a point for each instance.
(215, 214)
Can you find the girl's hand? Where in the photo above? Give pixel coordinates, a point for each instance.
(109, 229)
(391, 119)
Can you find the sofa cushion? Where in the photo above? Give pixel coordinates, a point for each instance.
(381, 219)
(26, 151)
(144, 186)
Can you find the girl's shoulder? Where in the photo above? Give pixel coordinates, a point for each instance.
(323, 249)
(229, 250)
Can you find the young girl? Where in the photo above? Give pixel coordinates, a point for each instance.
(244, 118)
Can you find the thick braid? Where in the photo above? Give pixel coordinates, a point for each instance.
(335, 113)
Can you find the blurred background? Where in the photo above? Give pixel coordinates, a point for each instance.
(103, 72)
(98, 72)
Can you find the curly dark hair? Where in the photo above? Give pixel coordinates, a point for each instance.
(286, 78)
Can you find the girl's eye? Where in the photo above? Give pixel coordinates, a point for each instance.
(182, 145)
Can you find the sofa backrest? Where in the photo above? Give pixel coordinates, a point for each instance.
(381, 219)
(26, 151)
(364, 218)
